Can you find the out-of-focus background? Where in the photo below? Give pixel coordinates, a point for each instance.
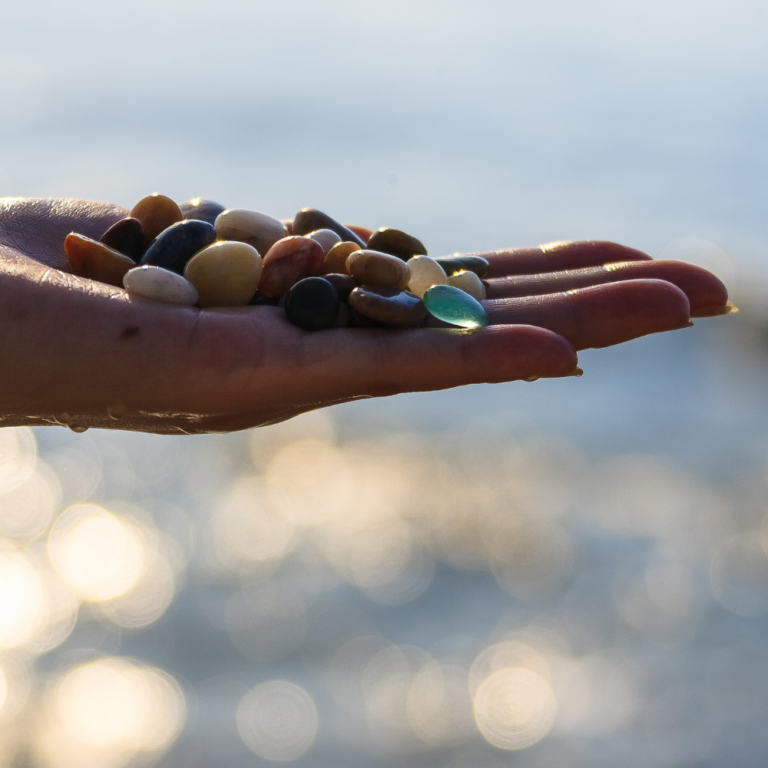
(569, 573)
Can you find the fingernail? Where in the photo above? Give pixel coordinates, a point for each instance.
(577, 372)
(726, 309)
(532, 378)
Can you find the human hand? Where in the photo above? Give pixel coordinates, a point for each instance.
(84, 354)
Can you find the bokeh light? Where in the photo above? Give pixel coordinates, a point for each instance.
(18, 455)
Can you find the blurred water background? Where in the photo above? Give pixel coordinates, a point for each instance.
(569, 573)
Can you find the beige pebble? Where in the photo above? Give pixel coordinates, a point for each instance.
(225, 274)
(326, 237)
(468, 282)
(156, 213)
(257, 229)
(336, 259)
(96, 261)
(425, 273)
(381, 269)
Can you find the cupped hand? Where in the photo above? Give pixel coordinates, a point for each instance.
(84, 354)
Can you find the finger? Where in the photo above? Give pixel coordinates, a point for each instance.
(553, 257)
(601, 315)
(703, 289)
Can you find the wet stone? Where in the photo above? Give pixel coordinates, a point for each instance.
(336, 259)
(126, 236)
(454, 264)
(160, 284)
(312, 304)
(310, 219)
(396, 243)
(452, 305)
(202, 210)
(175, 246)
(344, 284)
(375, 268)
(156, 213)
(225, 274)
(288, 261)
(388, 306)
(468, 282)
(257, 229)
(326, 237)
(96, 261)
(425, 273)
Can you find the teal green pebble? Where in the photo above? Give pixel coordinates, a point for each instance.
(453, 306)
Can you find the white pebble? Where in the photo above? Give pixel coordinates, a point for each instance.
(326, 237)
(160, 284)
(425, 273)
(468, 282)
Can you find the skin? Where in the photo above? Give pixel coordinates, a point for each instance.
(83, 354)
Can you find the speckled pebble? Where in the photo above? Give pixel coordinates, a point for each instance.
(160, 284)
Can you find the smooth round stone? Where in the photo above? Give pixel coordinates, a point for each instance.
(344, 284)
(326, 237)
(388, 306)
(468, 282)
(452, 305)
(288, 261)
(160, 284)
(375, 268)
(225, 274)
(202, 210)
(425, 273)
(257, 229)
(454, 264)
(96, 261)
(312, 304)
(310, 219)
(175, 246)
(396, 243)
(156, 212)
(126, 236)
(336, 259)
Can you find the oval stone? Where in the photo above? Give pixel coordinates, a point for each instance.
(336, 259)
(468, 282)
(396, 243)
(175, 246)
(96, 261)
(344, 284)
(202, 210)
(126, 236)
(160, 284)
(458, 263)
(312, 304)
(156, 212)
(225, 274)
(309, 219)
(326, 237)
(257, 229)
(425, 273)
(375, 268)
(288, 261)
(388, 306)
(452, 305)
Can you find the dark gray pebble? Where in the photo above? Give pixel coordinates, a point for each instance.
(344, 284)
(312, 304)
(309, 219)
(454, 264)
(201, 210)
(127, 237)
(395, 242)
(175, 246)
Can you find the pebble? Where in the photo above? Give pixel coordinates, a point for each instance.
(454, 264)
(156, 213)
(375, 268)
(225, 274)
(388, 306)
(468, 282)
(312, 304)
(175, 246)
(425, 273)
(326, 237)
(288, 261)
(336, 259)
(96, 261)
(257, 229)
(310, 219)
(160, 284)
(396, 243)
(344, 284)
(453, 306)
(202, 210)
(126, 236)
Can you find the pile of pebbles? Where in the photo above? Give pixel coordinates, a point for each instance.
(321, 272)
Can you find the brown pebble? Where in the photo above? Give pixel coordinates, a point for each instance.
(388, 306)
(396, 243)
(288, 261)
(344, 284)
(336, 259)
(156, 212)
(375, 268)
(96, 261)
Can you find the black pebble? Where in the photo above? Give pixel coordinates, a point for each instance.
(454, 264)
(175, 246)
(309, 219)
(312, 304)
(201, 210)
(127, 237)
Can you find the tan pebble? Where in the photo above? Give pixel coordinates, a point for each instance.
(156, 212)
(326, 237)
(96, 261)
(374, 268)
(468, 282)
(425, 273)
(257, 229)
(336, 259)
(225, 274)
